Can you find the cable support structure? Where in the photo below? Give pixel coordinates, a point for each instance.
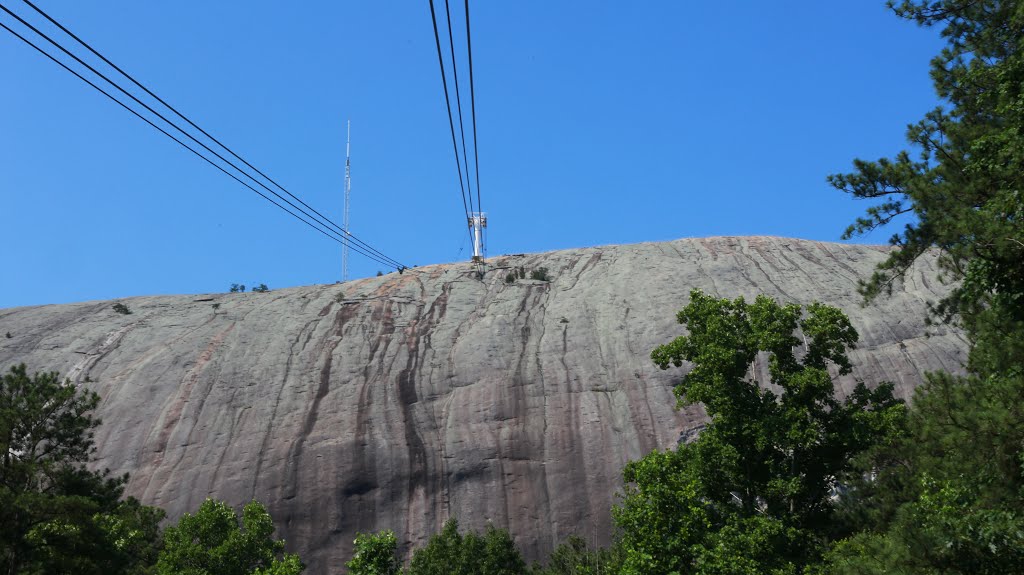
(451, 122)
(325, 226)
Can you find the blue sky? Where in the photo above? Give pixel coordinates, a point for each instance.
(599, 123)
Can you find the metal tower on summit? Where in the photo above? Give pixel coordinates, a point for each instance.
(477, 223)
(348, 192)
(475, 216)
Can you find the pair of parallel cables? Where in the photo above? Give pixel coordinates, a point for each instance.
(468, 182)
(305, 213)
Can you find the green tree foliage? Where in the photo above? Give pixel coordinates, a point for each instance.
(262, 288)
(211, 542)
(573, 557)
(375, 554)
(949, 497)
(57, 516)
(540, 274)
(965, 182)
(753, 494)
(451, 553)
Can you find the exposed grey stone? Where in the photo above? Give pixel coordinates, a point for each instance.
(431, 394)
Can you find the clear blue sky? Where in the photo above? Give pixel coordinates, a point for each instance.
(599, 123)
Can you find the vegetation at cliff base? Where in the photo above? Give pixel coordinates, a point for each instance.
(59, 516)
(937, 490)
(214, 541)
(448, 552)
(754, 493)
(375, 554)
(948, 497)
(56, 515)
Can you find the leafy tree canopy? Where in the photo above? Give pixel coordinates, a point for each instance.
(573, 557)
(451, 553)
(212, 542)
(949, 496)
(965, 179)
(754, 492)
(375, 554)
(57, 516)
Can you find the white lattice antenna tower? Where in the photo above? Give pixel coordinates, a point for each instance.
(348, 193)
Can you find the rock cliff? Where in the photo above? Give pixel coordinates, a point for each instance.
(403, 400)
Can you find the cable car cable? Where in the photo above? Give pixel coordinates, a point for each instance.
(472, 107)
(451, 123)
(204, 132)
(458, 103)
(390, 261)
(184, 145)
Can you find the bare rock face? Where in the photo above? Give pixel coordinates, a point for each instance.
(399, 401)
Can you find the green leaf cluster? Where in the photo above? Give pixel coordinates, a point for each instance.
(964, 179)
(448, 552)
(948, 497)
(574, 557)
(56, 515)
(755, 492)
(451, 553)
(214, 542)
(375, 554)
